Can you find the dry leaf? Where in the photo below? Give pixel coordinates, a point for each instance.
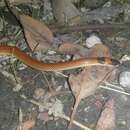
(27, 125)
(107, 119)
(72, 49)
(65, 12)
(99, 50)
(85, 83)
(38, 35)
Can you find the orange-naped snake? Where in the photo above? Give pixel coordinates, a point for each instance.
(26, 59)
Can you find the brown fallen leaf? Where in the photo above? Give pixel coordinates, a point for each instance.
(72, 49)
(107, 118)
(27, 125)
(38, 35)
(99, 50)
(85, 83)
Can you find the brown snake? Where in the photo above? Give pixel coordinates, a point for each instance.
(26, 59)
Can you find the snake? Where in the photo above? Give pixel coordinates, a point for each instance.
(14, 51)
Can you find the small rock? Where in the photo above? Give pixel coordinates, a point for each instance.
(93, 40)
(124, 79)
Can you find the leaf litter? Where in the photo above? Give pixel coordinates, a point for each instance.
(38, 35)
(92, 76)
(87, 81)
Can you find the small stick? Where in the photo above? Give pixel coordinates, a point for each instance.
(75, 122)
(83, 27)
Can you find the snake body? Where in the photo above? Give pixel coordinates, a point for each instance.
(26, 59)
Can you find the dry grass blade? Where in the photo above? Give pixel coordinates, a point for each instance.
(38, 35)
(75, 122)
(115, 90)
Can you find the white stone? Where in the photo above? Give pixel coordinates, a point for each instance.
(93, 40)
(124, 79)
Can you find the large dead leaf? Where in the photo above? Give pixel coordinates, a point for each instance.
(107, 119)
(38, 35)
(85, 83)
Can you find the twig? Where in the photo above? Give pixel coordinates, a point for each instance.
(75, 122)
(33, 101)
(64, 29)
(113, 85)
(49, 86)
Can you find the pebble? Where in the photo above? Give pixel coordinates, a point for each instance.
(124, 79)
